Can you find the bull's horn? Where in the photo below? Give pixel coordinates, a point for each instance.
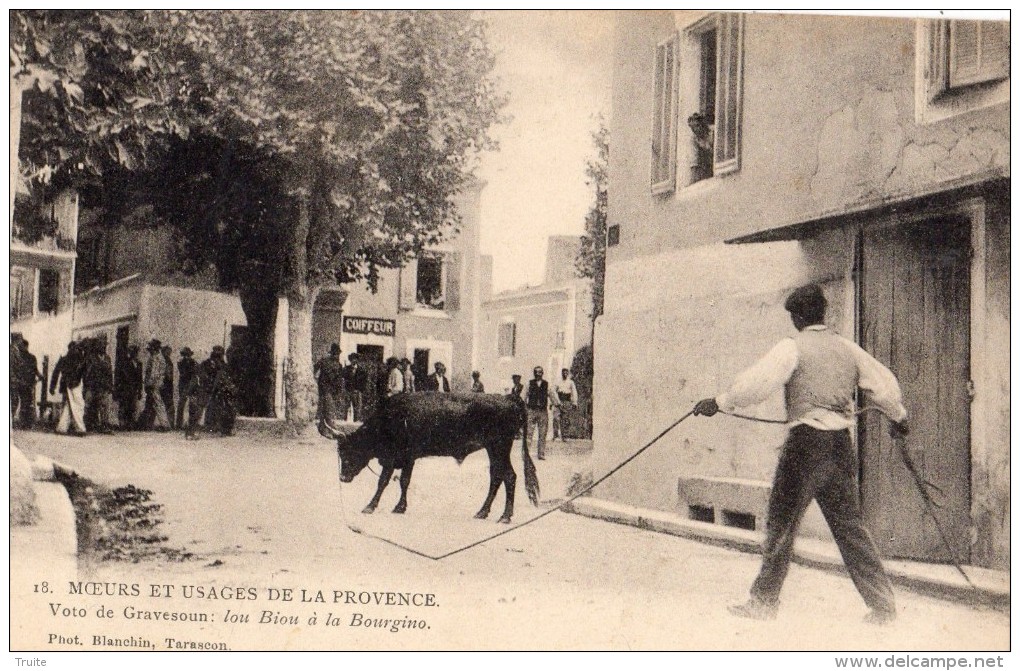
(327, 430)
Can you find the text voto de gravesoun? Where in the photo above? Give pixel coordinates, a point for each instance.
(103, 615)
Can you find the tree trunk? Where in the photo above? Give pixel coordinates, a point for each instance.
(299, 380)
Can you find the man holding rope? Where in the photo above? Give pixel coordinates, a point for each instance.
(820, 372)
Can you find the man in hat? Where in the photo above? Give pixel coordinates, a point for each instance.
(154, 414)
(408, 372)
(24, 376)
(438, 380)
(394, 377)
(517, 387)
(538, 409)
(98, 383)
(220, 409)
(128, 386)
(819, 371)
(68, 374)
(329, 374)
(356, 382)
(185, 372)
(166, 390)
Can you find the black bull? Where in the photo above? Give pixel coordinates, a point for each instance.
(410, 426)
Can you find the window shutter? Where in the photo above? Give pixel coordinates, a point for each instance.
(938, 63)
(452, 266)
(664, 123)
(978, 52)
(728, 93)
(409, 285)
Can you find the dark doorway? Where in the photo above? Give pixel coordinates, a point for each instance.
(915, 318)
(420, 367)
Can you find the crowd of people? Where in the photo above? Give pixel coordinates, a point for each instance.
(352, 392)
(95, 395)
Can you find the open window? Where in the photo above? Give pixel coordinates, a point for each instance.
(664, 116)
(716, 46)
(429, 288)
(431, 282)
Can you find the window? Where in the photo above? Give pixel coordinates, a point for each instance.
(49, 290)
(714, 125)
(664, 118)
(613, 235)
(965, 53)
(507, 344)
(429, 285)
(561, 340)
(702, 122)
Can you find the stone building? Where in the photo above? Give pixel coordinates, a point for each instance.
(130, 290)
(536, 326)
(755, 153)
(42, 280)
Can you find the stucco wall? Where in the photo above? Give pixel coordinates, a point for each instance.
(662, 346)
(828, 121)
(538, 316)
(187, 317)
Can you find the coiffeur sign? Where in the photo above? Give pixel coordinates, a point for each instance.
(371, 325)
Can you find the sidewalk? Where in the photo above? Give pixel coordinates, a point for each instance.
(44, 554)
(990, 587)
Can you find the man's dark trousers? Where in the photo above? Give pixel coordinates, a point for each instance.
(820, 465)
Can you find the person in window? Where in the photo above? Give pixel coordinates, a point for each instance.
(438, 380)
(476, 383)
(703, 134)
(538, 409)
(819, 372)
(564, 400)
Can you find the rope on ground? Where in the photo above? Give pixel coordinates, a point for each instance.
(576, 496)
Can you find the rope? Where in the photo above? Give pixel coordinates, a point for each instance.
(918, 480)
(533, 519)
(765, 420)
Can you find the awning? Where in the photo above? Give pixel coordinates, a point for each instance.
(979, 184)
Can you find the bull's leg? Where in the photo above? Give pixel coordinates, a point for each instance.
(384, 479)
(495, 480)
(509, 482)
(405, 481)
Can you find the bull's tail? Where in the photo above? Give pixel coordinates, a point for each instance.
(530, 472)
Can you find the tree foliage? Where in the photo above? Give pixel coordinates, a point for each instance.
(372, 120)
(591, 259)
(99, 90)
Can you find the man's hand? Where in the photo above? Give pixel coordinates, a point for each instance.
(706, 407)
(898, 430)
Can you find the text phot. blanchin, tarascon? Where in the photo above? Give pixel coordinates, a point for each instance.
(265, 263)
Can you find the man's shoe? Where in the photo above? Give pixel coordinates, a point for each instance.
(754, 609)
(880, 618)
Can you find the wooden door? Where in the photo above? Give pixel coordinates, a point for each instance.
(915, 318)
